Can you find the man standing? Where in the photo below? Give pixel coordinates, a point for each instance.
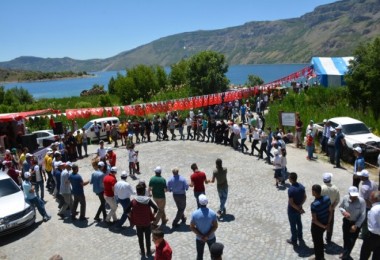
(79, 142)
(297, 197)
(358, 166)
(109, 183)
(371, 243)
(114, 135)
(65, 190)
(157, 189)
(111, 157)
(339, 144)
(97, 178)
(31, 197)
(204, 224)
(299, 128)
(123, 192)
(77, 185)
(163, 249)
(198, 181)
(178, 186)
(220, 174)
(332, 192)
(352, 208)
(320, 212)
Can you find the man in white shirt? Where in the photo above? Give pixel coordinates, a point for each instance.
(65, 190)
(332, 192)
(101, 152)
(123, 192)
(371, 243)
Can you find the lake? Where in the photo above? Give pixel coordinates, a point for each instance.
(237, 74)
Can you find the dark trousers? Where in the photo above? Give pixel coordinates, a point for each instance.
(329, 231)
(349, 238)
(79, 149)
(50, 181)
(201, 247)
(254, 146)
(102, 207)
(295, 226)
(338, 154)
(370, 244)
(196, 195)
(125, 204)
(331, 150)
(180, 202)
(188, 128)
(317, 235)
(263, 149)
(82, 201)
(141, 232)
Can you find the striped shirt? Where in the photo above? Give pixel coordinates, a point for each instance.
(320, 206)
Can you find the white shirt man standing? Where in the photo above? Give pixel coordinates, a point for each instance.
(123, 192)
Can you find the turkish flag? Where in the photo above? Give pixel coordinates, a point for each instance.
(52, 123)
(108, 111)
(116, 110)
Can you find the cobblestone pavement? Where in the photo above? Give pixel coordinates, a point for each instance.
(255, 227)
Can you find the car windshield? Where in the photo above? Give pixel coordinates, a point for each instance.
(8, 187)
(355, 129)
(87, 125)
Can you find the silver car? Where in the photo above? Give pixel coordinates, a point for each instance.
(15, 213)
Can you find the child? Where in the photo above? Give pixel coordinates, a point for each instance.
(137, 163)
(309, 145)
(131, 159)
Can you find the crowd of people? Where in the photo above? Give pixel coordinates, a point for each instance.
(144, 205)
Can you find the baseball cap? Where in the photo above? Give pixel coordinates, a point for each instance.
(203, 199)
(70, 164)
(363, 173)
(109, 150)
(101, 142)
(49, 152)
(27, 175)
(101, 164)
(353, 191)
(358, 149)
(124, 174)
(338, 127)
(28, 155)
(332, 129)
(327, 177)
(157, 169)
(324, 120)
(114, 169)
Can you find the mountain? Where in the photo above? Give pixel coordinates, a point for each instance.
(334, 29)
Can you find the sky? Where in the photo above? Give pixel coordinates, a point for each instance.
(87, 29)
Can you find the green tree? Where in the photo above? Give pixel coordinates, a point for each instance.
(206, 73)
(111, 86)
(254, 80)
(2, 93)
(178, 72)
(363, 78)
(162, 78)
(105, 101)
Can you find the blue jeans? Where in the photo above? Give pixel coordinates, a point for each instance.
(338, 154)
(39, 204)
(223, 193)
(310, 151)
(201, 247)
(40, 186)
(125, 204)
(295, 225)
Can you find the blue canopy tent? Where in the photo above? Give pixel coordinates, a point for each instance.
(330, 70)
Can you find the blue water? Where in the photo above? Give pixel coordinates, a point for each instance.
(73, 87)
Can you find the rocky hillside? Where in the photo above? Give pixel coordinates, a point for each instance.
(330, 30)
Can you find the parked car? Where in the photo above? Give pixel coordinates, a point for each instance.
(89, 127)
(15, 213)
(47, 135)
(356, 134)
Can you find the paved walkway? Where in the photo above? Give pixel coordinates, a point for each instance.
(255, 227)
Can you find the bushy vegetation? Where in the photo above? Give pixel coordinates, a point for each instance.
(21, 75)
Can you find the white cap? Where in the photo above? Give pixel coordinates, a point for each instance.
(60, 163)
(279, 135)
(358, 149)
(332, 129)
(124, 174)
(353, 191)
(276, 152)
(109, 150)
(157, 169)
(327, 177)
(49, 149)
(363, 173)
(338, 127)
(49, 152)
(57, 152)
(27, 175)
(203, 199)
(114, 169)
(70, 164)
(101, 164)
(324, 120)
(28, 155)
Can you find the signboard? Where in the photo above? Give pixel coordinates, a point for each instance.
(288, 119)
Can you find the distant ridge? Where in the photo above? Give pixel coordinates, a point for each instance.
(334, 29)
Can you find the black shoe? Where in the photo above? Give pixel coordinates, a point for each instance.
(61, 215)
(73, 218)
(174, 226)
(97, 219)
(289, 241)
(83, 218)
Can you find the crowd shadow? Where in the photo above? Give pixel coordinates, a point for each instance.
(303, 250)
(333, 249)
(284, 187)
(12, 237)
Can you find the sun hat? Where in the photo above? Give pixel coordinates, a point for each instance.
(353, 191)
(203, 200)
(363, 173)
(327, 177)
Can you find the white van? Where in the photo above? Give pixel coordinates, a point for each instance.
(89, 127)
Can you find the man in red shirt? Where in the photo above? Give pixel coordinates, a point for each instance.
(111, 157)
(198, 181)
(163, 249)
(109, 183)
